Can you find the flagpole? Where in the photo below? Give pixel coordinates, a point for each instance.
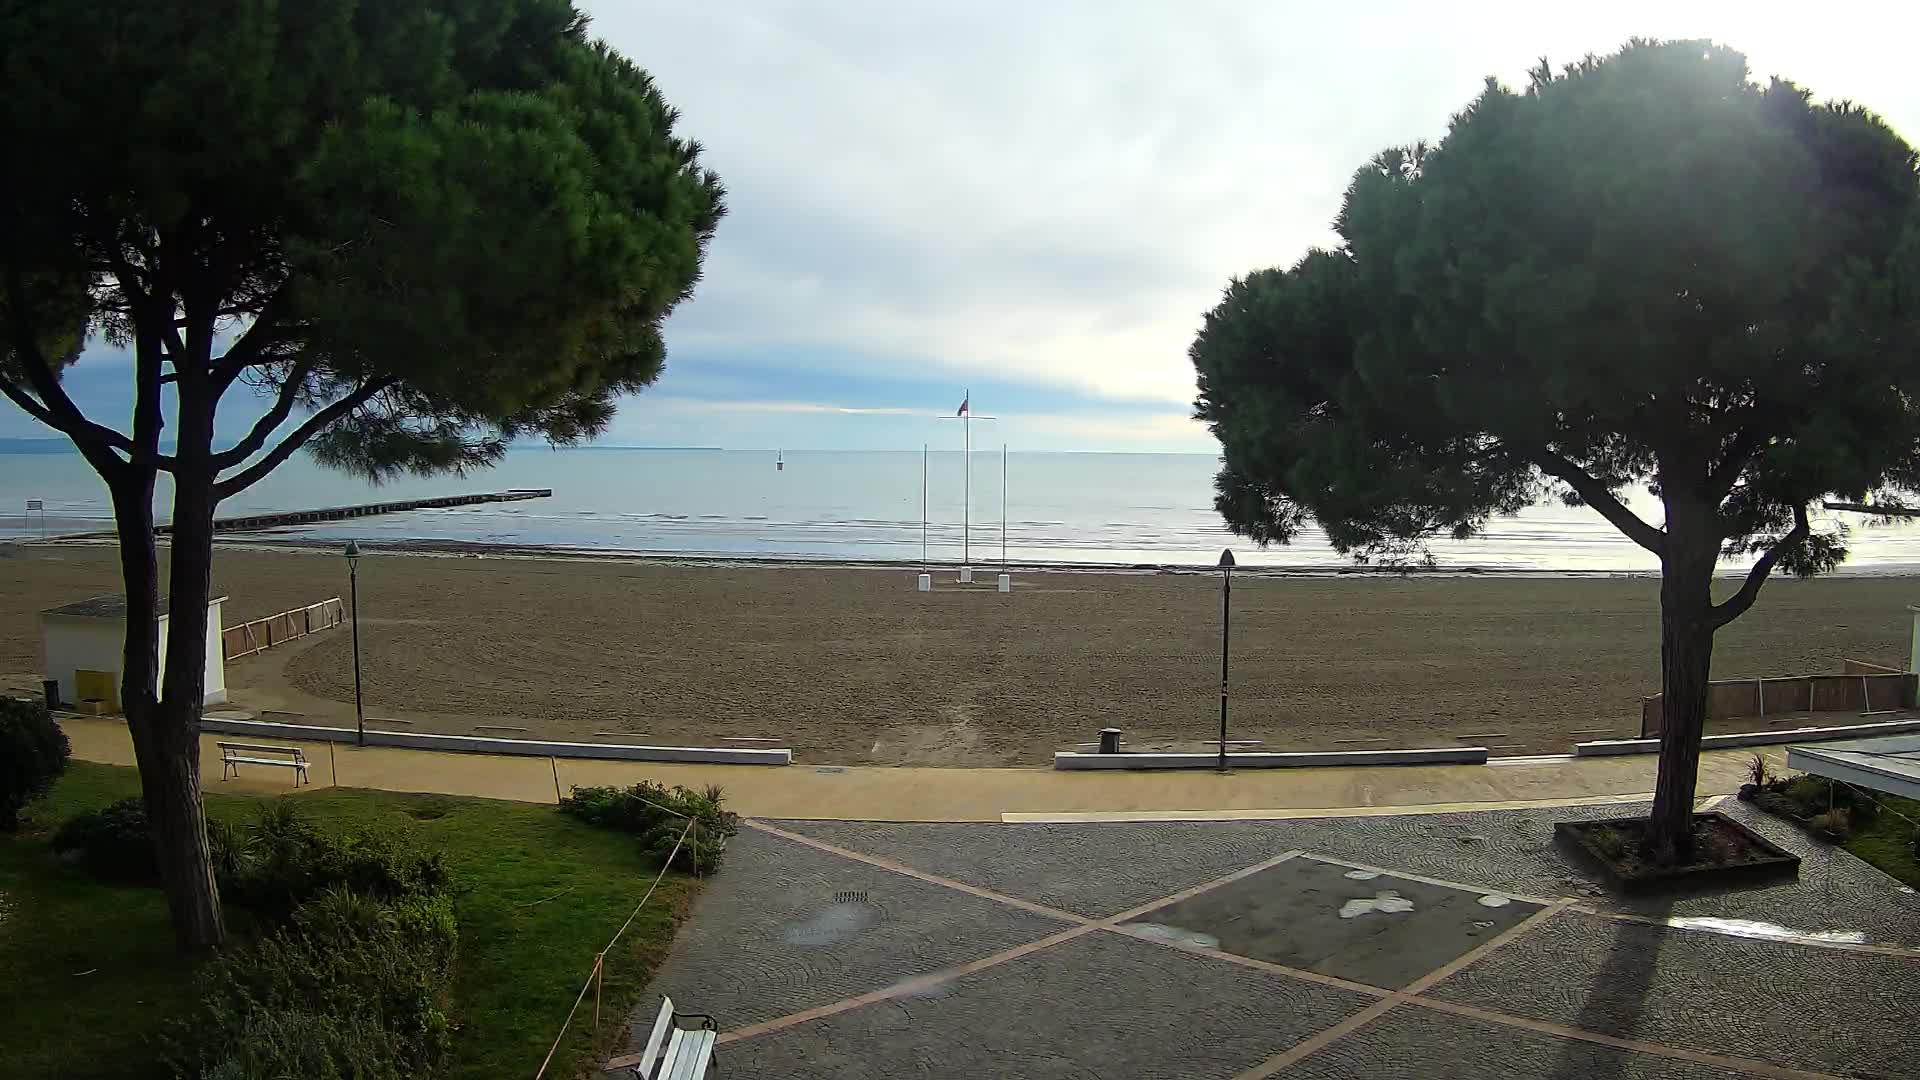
(1003, 506)
(966, 473)
(923, 507)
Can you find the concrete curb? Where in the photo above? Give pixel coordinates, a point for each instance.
(699, 755)
(1453, 755)
(1605, 747)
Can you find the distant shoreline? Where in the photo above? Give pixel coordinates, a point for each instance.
(983, 568)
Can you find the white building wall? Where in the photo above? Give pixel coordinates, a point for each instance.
(216, 688)
(70, 643)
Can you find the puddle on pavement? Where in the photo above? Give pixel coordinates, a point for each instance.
(832, 924)
(1766, 930)
(1362, 875)
(1179, 934)
(1495, 900)
(1387, 902)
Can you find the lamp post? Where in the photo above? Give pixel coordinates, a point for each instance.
(1226, 614)
(353, 579)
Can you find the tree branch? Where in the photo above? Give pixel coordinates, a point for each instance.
(1721, 478)
(265, 426)
(1596, 495)
(1736, 605)
(57, 410)
(247, 350)
(314, 425)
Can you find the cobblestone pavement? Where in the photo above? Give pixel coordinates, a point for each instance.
(1413, 946)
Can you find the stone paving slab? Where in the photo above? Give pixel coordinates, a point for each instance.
(1799, 1005)
(1419, 1044)
(1372, 928)
(1091, 870)
(1097, 1006)
(777, 931)
(1101, 869)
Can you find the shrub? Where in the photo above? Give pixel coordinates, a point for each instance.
(113, 843)
(658, 815)
(282, 861)
(1760, 770)
(33, 754)
(353, 986)
(1837, 823)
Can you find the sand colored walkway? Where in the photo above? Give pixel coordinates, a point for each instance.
(914, 794)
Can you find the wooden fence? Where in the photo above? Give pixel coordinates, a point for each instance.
(263, 634)
(1865, 688)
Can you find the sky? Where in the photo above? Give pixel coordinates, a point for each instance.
(1036, 202)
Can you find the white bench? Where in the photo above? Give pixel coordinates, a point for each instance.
(688, 1051)
(235, 754)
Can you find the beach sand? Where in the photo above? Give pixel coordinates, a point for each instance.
(853, 666)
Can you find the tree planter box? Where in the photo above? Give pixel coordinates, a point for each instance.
(1746, 857)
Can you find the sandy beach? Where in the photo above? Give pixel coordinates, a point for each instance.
(852, 666)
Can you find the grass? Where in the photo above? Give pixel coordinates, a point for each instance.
(93, 982)
(1887, 841)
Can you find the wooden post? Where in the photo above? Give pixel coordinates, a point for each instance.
(556, 779)
(599, 980)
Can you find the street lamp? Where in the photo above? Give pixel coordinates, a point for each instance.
(1226, 613)
(353, 579)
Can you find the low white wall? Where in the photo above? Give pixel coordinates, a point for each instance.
(699, 755)
(1605, 747)
(1453, 755)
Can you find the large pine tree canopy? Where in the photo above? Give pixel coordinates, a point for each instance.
(438, 226)
(1646, 268)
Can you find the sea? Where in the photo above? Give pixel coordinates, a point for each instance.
(1091, 509)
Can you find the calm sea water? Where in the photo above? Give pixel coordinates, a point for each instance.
(1116, 509)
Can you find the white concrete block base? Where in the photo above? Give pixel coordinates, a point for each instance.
(1604, 747)
(1452, 755)
(1005, 584)
(924, 583)
(475, 744)
(966, 575)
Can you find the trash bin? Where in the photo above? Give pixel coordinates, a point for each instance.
(51, 687)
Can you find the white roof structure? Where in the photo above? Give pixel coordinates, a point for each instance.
(1890, 764)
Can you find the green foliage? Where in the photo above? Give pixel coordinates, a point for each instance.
(33, 754)
(471, 207)
(522, 947)
(353, 987)
(1760, 770)
(113, 843)
(1836, 809)
(1645, 269)
(658, 815)
(282, 861)
(1836, 823)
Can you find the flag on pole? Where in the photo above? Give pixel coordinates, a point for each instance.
(963, 404)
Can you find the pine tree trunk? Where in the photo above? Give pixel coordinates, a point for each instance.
(166, 737)
(1686, 663)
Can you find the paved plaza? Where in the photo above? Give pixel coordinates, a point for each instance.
(1422, 945)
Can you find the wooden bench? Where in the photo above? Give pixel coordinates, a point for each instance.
(235, 754)
(687, 1051)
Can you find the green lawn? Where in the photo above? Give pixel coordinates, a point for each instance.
(91, 980)
(1888, 842)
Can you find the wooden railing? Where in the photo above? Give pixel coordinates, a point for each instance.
(263, 634)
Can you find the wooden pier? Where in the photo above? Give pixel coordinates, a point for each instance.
(341, 513)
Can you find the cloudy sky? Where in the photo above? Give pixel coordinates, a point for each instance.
(1038, 200)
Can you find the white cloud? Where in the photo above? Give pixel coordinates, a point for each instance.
(1054, 193)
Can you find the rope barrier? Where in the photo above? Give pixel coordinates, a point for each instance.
(600, 958)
